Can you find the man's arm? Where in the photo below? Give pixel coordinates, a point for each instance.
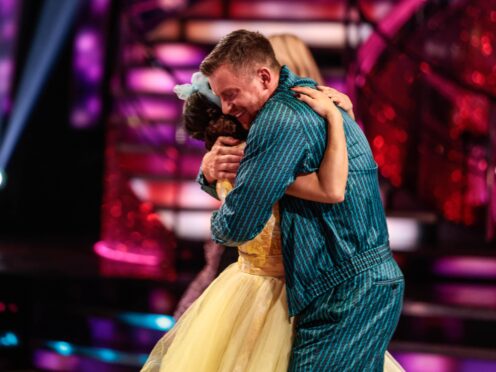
(275, 153)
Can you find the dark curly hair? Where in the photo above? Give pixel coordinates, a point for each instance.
(205, 121)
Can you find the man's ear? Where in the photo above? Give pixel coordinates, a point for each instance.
(265, 76)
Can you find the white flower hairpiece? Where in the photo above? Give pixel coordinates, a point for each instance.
(199, 83)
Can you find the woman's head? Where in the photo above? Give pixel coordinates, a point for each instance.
(290, 50)
(205, 121)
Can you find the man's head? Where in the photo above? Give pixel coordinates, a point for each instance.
(243, 71)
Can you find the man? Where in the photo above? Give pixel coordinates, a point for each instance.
(342, 282)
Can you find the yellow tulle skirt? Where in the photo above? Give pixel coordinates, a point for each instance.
(240, 323)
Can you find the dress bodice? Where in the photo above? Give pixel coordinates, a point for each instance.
(263, 254)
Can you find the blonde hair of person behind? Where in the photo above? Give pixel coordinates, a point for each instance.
(290, 50)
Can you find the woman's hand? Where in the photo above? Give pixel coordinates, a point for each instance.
(328, 184)
(339, 98)
(319, 101)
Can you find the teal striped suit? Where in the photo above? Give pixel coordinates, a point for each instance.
(325, 246)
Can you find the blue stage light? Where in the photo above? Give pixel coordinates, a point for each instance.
(56, 21)
(164, 323)
(61, 347)
(9, 339)
(108, 355)
(150, 321)
(102, 354)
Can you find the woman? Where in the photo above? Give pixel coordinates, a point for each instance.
(241, 321)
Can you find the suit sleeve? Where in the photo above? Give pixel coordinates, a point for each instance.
(275, 153)
(205, 186)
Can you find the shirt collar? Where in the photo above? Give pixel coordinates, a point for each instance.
(288, 79)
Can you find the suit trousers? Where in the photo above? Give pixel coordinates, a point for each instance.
(349, 327)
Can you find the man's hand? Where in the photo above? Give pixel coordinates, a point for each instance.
(222, 161)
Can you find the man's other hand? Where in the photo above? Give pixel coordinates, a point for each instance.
(222, 161)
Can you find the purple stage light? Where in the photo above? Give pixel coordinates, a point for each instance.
(151, 80)
(157, 135)
(7, 6)
(337, 82)
(51, 361)
(466, 267)
(6, 71)
(184, 75)
(103, 330)
(94, 105)
(86, 41)
(80, 118)
(99, 6)
(88, 63)
(158, 109)
(467, 295)
(161, 301)
(8, 29)
(422, 362)
(9, 14)
(179, 55)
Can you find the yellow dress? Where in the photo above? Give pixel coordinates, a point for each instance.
(241, 322)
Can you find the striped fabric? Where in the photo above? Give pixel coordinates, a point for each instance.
(349, 327)
(323, 244)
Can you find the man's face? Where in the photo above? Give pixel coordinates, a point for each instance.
(242, 93)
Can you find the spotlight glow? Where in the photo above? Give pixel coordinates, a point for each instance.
(3, 179)
(150, 321)
(8, 339)
(55, 23)
(78, 353)
(61, 347)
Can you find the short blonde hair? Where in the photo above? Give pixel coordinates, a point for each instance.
(290, 50)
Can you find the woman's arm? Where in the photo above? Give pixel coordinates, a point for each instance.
(328, 184)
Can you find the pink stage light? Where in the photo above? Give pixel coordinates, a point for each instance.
(184, 75)
(151, 163)
(463, 267)
(6, 71)
(179, 55)
(315, 34)
(157, 109)
(51, 361)
(150, 80)
(181, 223)
(86, 41)
(122, 255)
(467, 295)
(173, 194)
(88, 64)
(288, 10)
(422, 362)
(99, 6)
(189, 165)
